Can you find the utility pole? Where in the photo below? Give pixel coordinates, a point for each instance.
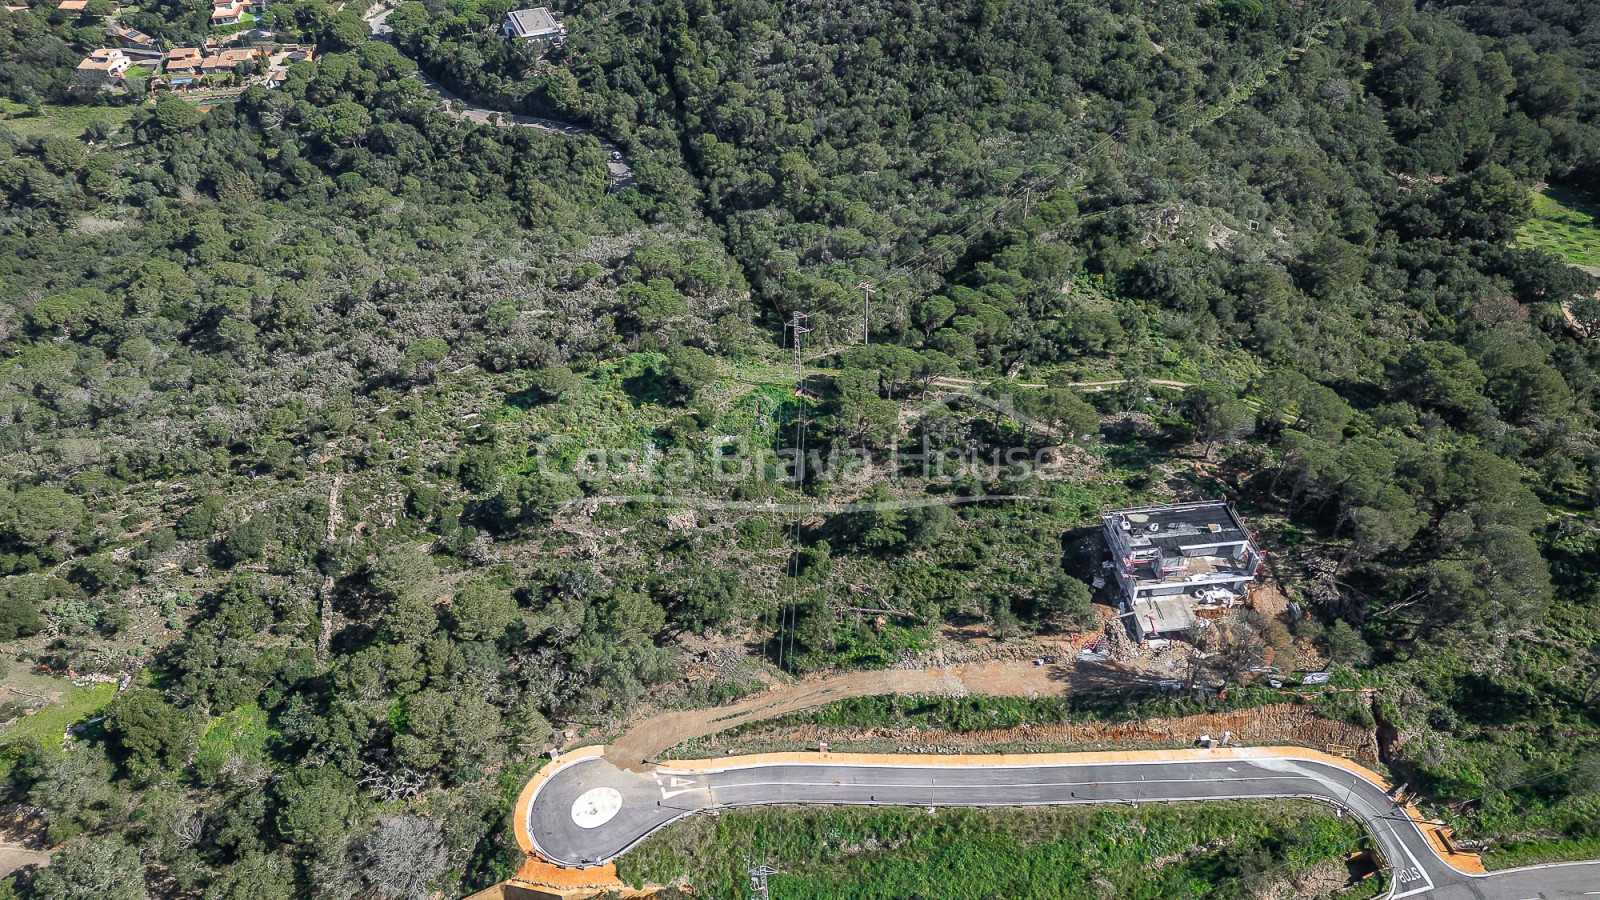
(866, 312)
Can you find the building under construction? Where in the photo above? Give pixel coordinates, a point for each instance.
(1175, 564)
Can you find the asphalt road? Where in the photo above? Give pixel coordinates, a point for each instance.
(651, 800)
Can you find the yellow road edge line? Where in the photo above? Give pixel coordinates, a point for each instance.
(1437, 837)
(546, 877)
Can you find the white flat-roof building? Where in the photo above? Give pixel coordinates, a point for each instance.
(227, 12)
(537, 24)
(1171, 560)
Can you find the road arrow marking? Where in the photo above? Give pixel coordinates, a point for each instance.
(684, 785)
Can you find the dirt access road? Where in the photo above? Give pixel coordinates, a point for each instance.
(649, 738)
(14, 857)
(621, 173)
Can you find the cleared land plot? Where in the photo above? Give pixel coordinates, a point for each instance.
(1566, 224)
(66, 121)
(45, 728)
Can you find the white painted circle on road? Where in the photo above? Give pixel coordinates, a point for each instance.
(596, 807)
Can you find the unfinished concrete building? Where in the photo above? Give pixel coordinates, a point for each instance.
(1175, 564)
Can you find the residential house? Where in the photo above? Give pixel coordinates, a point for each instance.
(227, 12)
(102, 70)
(74, 6)
(184, 61)
(1176, 565)
(132, 38)
(227, 61)
(533, 25)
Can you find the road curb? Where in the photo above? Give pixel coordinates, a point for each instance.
(1435, 837)
(549, 878)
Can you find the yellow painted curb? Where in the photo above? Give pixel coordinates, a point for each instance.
(1438, 837)
(1025, 759)
(605, 877)
(991, 759)
(520, 812)
(550, 879)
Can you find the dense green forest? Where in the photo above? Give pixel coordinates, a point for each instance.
(291, 385)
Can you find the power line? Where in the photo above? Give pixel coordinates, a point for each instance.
(800, 461)
(797, 327)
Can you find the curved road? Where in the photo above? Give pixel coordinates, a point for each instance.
(377, 19)
(586, 811)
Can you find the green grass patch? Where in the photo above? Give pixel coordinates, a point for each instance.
(620, 407)
(1531, 853)
(764, 415)
(243, 733)
(1566, 224)
(43, 729)
(496, 856)
(246, 21)
(1191, 850)
(67, 121)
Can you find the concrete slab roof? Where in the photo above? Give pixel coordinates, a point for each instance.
(1166, 615)
(1179, 526)
(533, 23)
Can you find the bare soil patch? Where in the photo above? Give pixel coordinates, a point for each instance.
(650, 737)
(1324, 880)
(1268, 599)
(23, 839)
(13, 858)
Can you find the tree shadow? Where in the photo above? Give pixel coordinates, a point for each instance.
(648, 387)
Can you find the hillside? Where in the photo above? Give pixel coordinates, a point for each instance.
(386, 449)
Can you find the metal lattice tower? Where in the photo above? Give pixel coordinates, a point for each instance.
(797, 324)
(758, 880)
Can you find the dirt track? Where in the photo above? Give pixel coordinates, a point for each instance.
(1276, 723)
(13, 857)
(649, 738)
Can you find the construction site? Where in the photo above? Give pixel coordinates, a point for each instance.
(1178, 567)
